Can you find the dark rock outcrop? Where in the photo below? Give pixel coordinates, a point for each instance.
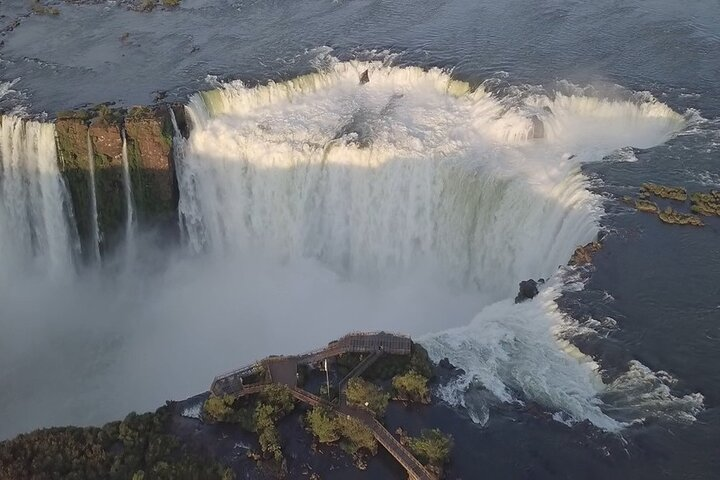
(528, 290)
(365, 77)
(583, 255)
(538, 127)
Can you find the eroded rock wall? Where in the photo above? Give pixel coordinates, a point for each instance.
(149, 138)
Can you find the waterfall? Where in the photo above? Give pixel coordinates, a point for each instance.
(413, 169)
(35, 209)
(129, 203)
(415, 172)
(93, 203)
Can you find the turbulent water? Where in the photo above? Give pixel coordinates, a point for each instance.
(312, 203)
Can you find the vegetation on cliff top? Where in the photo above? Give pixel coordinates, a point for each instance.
(139, 447)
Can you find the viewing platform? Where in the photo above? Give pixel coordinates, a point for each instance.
(283, 370)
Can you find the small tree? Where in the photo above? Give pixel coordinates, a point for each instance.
(412, 387)
(219, 409)
(355, 436)
(322, 424)
(365, 394)
(432, 447)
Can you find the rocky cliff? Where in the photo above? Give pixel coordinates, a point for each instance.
(149, 135)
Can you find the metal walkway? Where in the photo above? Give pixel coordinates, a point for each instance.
(232, 383)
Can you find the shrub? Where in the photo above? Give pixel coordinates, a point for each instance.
(279, 398)
(276, 401)
(355, 436)
(365, 394)
(268, 435)
(171, 3)
(322, 424)
(432, 447)
(219, 409)
(412, 387)
(329, 427)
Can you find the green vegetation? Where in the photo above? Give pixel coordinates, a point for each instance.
(147, 5)
(663, 191)
(260, 415)
(646, 206)
(171, 3)
(353, 436)
(432, 447)
(411, 387)
(139, 447)
(388, 366)
(707, 204)
(364, 394)
(76, 114)
(107, 115)
(40, 9)
(139, 112)
(674, 217)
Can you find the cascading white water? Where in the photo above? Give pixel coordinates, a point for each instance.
(129, 203)
(35, 206)
(416, 172)
(95, 233)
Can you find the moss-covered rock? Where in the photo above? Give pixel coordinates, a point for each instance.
(664, 191)
(706, 203)
(646, 206)
(73, 161)
(677, 218)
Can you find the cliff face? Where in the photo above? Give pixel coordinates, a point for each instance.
(74, 164)
(152, 170)
(149, 136)
(106, 141)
